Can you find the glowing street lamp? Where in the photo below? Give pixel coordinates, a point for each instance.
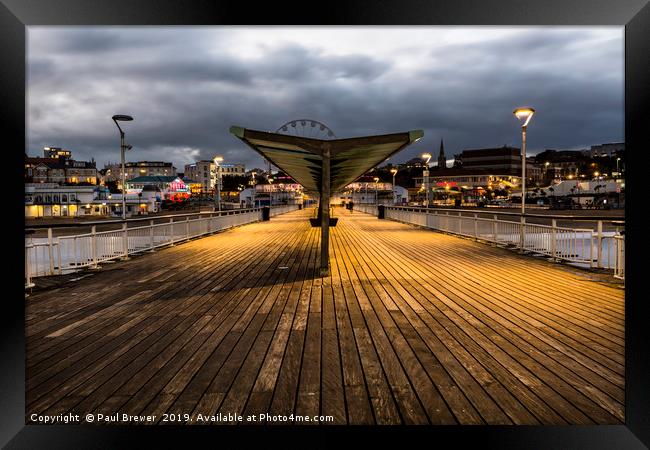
(524, 115)
(217, 181)
(394, 172)
(123, 147)
(425, 176)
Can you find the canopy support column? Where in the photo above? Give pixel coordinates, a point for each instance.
(325, 213)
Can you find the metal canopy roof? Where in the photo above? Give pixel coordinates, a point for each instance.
(302, 158)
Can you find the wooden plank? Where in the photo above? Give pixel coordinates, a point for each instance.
(410, 326)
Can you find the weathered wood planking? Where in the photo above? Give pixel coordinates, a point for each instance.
(411, 326)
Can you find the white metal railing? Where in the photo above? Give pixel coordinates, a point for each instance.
(366, 208)
(619, 267)
(277, 210)
(580, 246)
(66, 254)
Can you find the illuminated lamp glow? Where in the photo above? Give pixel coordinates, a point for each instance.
(524, 114)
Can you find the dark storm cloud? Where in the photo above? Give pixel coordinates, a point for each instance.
(186, 86)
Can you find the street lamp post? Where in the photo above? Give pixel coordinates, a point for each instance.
(425, 176)
(524, 115)
(253, 184)
(394, 172)
(217, 184)
(123, 147)
(376, 190)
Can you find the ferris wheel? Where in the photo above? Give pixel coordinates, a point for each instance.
(307, 128)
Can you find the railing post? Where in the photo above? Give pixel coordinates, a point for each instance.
(171, 231)
(494, 229)
(93, 244)
(125, 242)
(620, 257)
(591, 249)
(151, 241)
(50, 252)
(476, 226)
(554, 239)
(187, 227)
(74, 251)
(522, 234)
(58, 251)
(600, 244)
(28, 268)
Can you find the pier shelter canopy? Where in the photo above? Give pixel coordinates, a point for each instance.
(325, 166)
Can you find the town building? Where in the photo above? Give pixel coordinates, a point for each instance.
(234, 169)
(203, 172)
(482, 167)
(273, 194)
(471, 178)
(60, 170)
(557, 164)
(56, 152)
(113, 171)
(494, 159)
(610, 149)
(170, 187)
(373, 193)
(54, 200)
(442, 160)
(413, 163)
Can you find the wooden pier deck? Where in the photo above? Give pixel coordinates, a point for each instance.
(412, 327)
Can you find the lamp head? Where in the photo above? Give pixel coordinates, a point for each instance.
(122, 117)
(426, 156)
(524, 114)
(218, 159)
(393, 171)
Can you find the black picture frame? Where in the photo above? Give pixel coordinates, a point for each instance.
(16, 15)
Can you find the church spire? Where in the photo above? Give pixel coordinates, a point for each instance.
(442, 161)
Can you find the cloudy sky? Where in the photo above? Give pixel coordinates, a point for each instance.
(185, 86)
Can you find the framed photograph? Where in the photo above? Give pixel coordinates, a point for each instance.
(401, 220)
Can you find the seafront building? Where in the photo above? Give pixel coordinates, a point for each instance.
(53, 200)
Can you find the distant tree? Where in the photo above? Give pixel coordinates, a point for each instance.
(232, 182)
(112, 187)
